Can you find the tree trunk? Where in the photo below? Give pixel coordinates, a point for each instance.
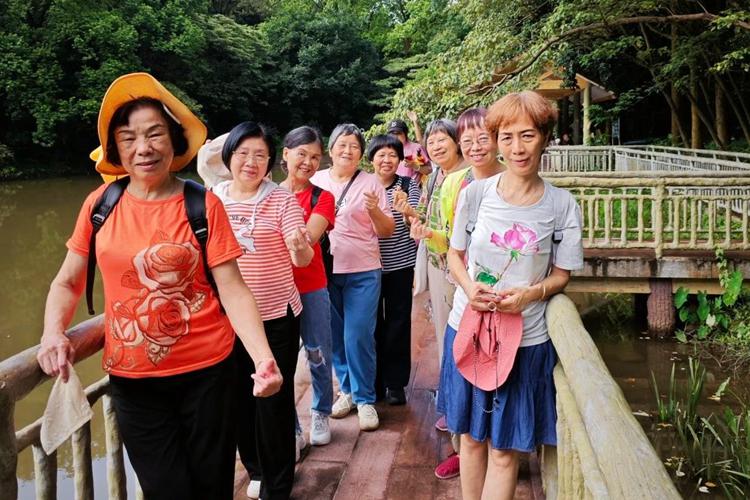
(696, 139)
(676, 130)
(702, 118)
(721, 118)
(739, 97)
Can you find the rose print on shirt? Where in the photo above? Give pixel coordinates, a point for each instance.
(519, 240)
(158, 315)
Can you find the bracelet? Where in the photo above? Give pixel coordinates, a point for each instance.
(544, 291)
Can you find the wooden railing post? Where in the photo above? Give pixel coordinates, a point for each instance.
(657, 218)
(8, 451)
(116, 481)
(84, 478)
(45, 473)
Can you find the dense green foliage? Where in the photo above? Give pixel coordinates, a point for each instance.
(288, 62)
(302, 62)
(640, 49)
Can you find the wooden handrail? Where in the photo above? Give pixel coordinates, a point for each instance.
(603, 450)
(19, 375)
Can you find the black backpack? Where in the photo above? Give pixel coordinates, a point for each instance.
(195, 208)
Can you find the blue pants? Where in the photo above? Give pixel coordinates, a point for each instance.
(315, 329)
(354, 307)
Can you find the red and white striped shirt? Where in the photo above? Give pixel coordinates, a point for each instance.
(261, 229)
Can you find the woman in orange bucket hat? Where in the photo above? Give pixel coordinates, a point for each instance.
(168, 340)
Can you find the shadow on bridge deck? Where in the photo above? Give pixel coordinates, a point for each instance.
(397, 460)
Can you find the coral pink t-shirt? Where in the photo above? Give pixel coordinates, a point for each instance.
(161, 315)
(354, 244)
(313, 277)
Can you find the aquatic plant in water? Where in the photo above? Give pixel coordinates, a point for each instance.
(715, 449)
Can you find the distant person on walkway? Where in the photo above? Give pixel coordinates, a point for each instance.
(269, 225)
(168, 345)
(416, 162)
(525, 238)
(303, 150)
(362, 216)
(397, 253)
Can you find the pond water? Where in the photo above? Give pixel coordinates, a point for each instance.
(631, 357)
(37, 217)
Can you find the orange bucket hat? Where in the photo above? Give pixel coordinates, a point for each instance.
(485, 346)
(135, 85)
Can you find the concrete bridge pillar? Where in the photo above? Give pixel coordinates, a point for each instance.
(661, 313)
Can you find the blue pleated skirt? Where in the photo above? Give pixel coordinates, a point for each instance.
(520, 415)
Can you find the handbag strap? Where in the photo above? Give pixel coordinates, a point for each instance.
(346, 188)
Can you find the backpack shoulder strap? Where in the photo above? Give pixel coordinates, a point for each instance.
(473, 201)
(99, 213)
(316, 192)
(557, 235)
(195, 209)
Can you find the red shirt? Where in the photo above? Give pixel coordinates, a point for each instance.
(161, 316)
(313, 277)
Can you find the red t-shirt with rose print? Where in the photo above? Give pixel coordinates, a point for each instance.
(161, 315)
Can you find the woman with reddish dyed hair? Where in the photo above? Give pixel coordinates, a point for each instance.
(524, 242)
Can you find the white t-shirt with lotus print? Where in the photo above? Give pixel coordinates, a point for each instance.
(511, 245)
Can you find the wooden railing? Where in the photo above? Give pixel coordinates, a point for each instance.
(19, 375)
(602, 451)
(580, 159)
(662, 211)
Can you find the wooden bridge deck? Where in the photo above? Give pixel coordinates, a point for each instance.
(397, 460)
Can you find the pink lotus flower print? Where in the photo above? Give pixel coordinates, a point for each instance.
(519, 240)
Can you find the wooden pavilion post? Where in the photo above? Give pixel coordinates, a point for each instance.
(587, 114)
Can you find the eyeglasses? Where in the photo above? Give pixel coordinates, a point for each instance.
(256, 158)
(481, 141)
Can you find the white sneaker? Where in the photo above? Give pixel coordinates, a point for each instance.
(320, 431)
(368, 417)
(343, 406)
(253, 489)
(301, 443)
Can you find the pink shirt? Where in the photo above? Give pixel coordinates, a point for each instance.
(354, 244)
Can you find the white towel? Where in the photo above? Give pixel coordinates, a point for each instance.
(67, 410)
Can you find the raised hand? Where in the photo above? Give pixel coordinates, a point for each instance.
(371, 201)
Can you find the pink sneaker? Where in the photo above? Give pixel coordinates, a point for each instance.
(448, 468)
(441, 424)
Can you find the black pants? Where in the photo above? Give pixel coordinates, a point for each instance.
(265, 426)
(393, 332)
(179, 431)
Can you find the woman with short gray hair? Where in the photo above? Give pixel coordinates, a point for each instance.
(362, 216)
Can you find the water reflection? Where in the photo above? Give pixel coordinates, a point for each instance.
(36, 218)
